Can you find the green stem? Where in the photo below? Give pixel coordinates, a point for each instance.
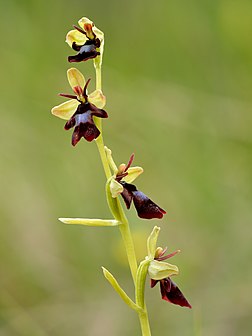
(100, 145)
(144, 322)
(124, 226)
(98, 77)
(128, 241)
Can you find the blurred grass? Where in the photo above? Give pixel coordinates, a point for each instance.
(178, 80)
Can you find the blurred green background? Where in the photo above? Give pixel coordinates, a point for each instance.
(178, 81)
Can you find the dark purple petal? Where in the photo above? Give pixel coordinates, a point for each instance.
(145, 207)
(171, 293)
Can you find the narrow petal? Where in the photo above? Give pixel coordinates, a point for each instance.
(66, 109)
(75, 36)
(76, 80)
(133, 173)
(97, 98)
(145, 207)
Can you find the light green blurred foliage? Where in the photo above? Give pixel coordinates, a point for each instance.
(178, 81)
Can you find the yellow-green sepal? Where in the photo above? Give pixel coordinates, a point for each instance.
(152, 242)
(66, 109)
(159, 270)
(133, 173)
(75, 79)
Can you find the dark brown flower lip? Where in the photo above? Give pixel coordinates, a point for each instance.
(83, 124)
(145, 207)
(83, 57)
(170, 292)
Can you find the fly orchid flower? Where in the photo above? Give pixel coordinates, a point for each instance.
(121, 184)
(87, 40)
(169, 290)
(81, 108)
